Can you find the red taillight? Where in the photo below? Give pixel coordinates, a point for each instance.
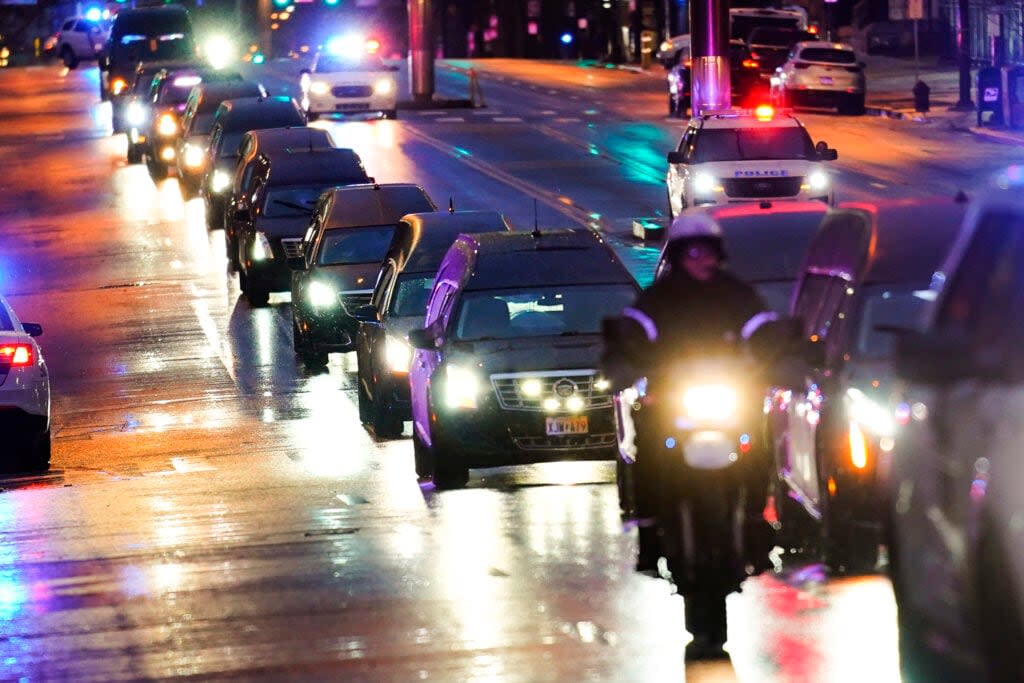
(16, 355)
(751, 64)
(764, 112)
(688, 63)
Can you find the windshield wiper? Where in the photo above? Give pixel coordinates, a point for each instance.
(292, 205)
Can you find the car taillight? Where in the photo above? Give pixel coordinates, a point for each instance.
(117, 86)
(16, 355)
(801, 65)
(751, 64)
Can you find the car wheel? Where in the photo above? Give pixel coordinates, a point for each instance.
(385, 424)
(446, 474)
(38, 459)
(855, 105)
(212, 223)
(157, 169)
(258, 297)
(1002, 630)
(365, 404)
(134, 154)
(69, 58)
(849, 549)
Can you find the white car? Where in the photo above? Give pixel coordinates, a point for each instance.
(746, 156)
(820, 74)
(956, 513)
(24, 395)
(347, 79)
(79, 38)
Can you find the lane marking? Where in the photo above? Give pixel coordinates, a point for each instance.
(880, 186)
(507, 119)
(450, 119)
(567, 119)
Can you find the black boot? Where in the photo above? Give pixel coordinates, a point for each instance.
(648, 548)
(706, 621)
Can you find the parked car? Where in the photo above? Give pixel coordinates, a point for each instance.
(503, 369)
(251, 150)
(234, 118)
(867, 271)
(24, 395)
(954, 507)
(766, 244)
(79, 38)
(820, 74)
(196, 124)
(398, 304)
(337, 261)
(285, 187)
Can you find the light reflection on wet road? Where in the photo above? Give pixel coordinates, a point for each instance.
(216, 511)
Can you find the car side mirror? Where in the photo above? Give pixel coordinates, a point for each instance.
(297, 262)
(422, 338)
(824, 152)
(929, 358)
(367, 314)
(32, 329)
(676, 157)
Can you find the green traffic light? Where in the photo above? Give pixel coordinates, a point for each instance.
(332, 3)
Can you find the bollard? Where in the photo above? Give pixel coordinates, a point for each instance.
(921, 93)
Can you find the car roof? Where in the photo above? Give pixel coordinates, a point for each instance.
(825, 45)
(422, 239)
(508, 260)
(746, 119)
(297, 166)
(215, 92)
(247, 113)
(374, 204)
(299, 137)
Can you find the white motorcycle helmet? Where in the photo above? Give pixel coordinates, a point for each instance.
(693, 226)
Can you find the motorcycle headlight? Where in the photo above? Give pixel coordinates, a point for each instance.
(261, 250)
(167, 125)
(193, 156)
(384, 86)
(220, 182)
(703, 183)
(817, 180)
(321, 295)
(136, 114)
(462, 388)
(710, 402)
(319, 88)
(398, 354)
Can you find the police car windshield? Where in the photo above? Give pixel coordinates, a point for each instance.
(539, 311)
(750, 144)
(343, 246)
(828, 56)
(887, 305)
(411, 294)
(326, 64)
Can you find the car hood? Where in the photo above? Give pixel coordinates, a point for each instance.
(293, 226)
(351, 277)
(529, 354)
(766, 168)
(352, 77)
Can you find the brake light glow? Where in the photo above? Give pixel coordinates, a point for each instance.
(858, 447)
(764, 112)
(812, 29)
(16, 355)
(751, 63)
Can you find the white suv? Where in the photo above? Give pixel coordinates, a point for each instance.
(78, 39)
(819, 74)
(346, 78)
(24, 395)
(746, 156)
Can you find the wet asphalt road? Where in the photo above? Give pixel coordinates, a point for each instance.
(214, 511)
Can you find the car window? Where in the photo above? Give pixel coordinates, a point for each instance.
(539, 311)
(892, 306)
(339, 63)
(411, 295)
(828, 56)
(68, 25)
(744, 144)
(6, 324)
(342, 246)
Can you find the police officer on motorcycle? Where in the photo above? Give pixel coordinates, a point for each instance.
(695, 309)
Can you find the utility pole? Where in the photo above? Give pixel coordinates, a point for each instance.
(421, 50)
(963, 38)
(710, 89)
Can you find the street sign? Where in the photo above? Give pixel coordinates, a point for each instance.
(915, 9)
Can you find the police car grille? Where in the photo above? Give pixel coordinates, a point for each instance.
(353, 300)
(762, 187)
(352, 91)
(292, 247)
(510, 397)
(574, 442)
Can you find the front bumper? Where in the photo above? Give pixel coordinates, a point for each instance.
(272, 275)
(329, 104)
(330, 331)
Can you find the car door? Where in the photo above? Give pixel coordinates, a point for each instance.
(425, 362)
(371, 339)
(962, 444)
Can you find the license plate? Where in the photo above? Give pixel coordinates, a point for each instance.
(556, 426)
(355, 106)
(826, 80)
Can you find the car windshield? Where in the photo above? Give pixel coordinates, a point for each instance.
(229, 143)
(138, 48)
(891, 306)
(176, 94)
(539, 311)
(749, 144)
(342, 246)
(411, 295)
(202, 124)
(828, 56)
(291, 201)
(326, 64)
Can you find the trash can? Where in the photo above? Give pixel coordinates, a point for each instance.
(990, 94)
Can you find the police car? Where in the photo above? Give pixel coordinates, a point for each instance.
(349, 77)
(746, 156)
(24, 395)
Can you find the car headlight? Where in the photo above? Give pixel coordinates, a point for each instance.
(193, 157)
(384, 86)
(817, 180)
(710, 402)
(220, 181)
(261, 250)
(136, 114)
(167, 125)
(321, 295)
(462, 387)
(319, 88)
(866, 412)
(703, 183)
(398, 354)
(117, 86)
